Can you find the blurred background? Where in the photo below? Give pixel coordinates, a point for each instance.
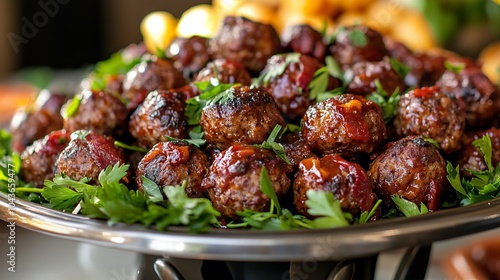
(64, 34)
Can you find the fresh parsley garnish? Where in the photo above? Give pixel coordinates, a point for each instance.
(358, 38)
(130, 147)
(389, 103)
(319, 84)
(277, 71)
(365, 216)
(329, 210)
(73, 106)
(484, 185)
(432, 141)
(400, 68)
(454, 67)
(271, 144)
(409, 208)
(196, 142)
(114, 65)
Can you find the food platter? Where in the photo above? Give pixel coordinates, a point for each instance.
(247, 245)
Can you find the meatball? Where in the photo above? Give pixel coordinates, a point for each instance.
(290, 89)
(428, 112)
(248, 42)
(38, 160)
(471, 158)
(366, 73)
(348, 182)
(190, 55)
(228, 72)
(243, 115)
(233, 183)
(411, 168)
(348, 124)
(357, 43)
(172, 163)
(296, 148)
(481, 96)
(160, 115)
(152, 73)
(27, 126)
(51, 100)
(305, 40)
(87, 154)
(98, 111)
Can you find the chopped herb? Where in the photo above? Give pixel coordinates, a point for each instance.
(324, 204)
(293, 127)
(455, 67)
(432, 141)
(484, 185)
(400, 68)
(161, 53)
(130, 147)
(358, 38)
(408, 208)
(389, 103)
(151, 189)
(196, 142)
(73, 106)
(319, 84)
(115, 65)
(271, 144)
(277, 71)
(80, 134)
(365, 216)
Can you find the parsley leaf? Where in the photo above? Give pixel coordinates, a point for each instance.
(389, 103)
(114, 65)
(358, 38)
(73, 106)
(277, 71)
(196, 142)
(271, 144)
(365, 216)
(324, 204)
(408, 208)
(267, 188)
(455, 67)
(319, 84)
(432, 141)
(400, 68)
(130, 147)
(61, 197)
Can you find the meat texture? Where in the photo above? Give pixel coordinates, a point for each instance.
(190, 55)
(471, 158)
(225, 71)
(305, 40)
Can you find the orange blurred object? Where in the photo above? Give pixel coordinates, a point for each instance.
(14, 96)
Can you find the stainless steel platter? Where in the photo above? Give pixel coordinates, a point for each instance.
(248, 245)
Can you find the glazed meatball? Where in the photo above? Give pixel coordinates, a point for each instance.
(152, 73)
(291, 88)
(228, 72)
(296, 148)
(190, 55)
(99, 111)
(430, 113)
(245, 116)
(348, 182)
(87, 154)
(38, 160)
(481, 96)
(357, 43)
(366, 73)
(160, 115)
(425, 68)
(248, 42)
(411, 168)
(27, 126)
(347, 124)
(233, 183)
(172, 163)
(305, 40)
(471, 158)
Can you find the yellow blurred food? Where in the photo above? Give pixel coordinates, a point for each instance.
(413, 30)
(158, 29)
(384, 15)
(318, 22)
(490, 58)
(202, 20)
(256, 12)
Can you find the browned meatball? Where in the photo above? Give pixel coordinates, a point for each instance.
(228, 72)
(358, 43)
(305, 40)
(27, 126)
(87, 154)
(160, 115)
(247, 116)
(190, 55)
(470, 157)
(98, 111)
(481, 96)
(233, 182)
(348, 125)
(425, 68)
(248, 42)
(291, 88)
(348, 181)
(151, 74)
(172, 163)
(411, 168)
(430, 113)
(39, 159)
(366, 73)
(296, 148)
